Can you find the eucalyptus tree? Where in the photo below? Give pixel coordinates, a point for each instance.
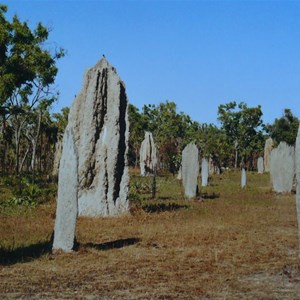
(171, 131)
(285, 128)
(32, 130)
(213, 143)
(27, 73)
(240, 135)
(244, 129)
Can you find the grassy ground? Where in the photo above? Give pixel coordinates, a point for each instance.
(227, 244)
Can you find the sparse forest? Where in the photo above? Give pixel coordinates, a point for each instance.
(30, 131)
(239, 138)
(226, 241)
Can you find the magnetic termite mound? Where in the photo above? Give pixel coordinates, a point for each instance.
(97, 133)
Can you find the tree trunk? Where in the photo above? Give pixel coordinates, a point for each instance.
(32, 165)
(23, 160)
(34, 141)
(17, 137)
(236, 159)
(19, 126)
(4, 162)
(41, 154)
(236, 154)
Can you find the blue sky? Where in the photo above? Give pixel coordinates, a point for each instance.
(199, 54)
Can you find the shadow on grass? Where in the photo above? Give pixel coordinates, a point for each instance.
(25, 254)
(209, 196)
(111, 245)
(31, 252)
(167, 198)
(161, 207)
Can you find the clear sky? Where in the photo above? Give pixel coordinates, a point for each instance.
(199, 54)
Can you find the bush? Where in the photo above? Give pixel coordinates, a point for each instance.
(134, 192)
(26, 194)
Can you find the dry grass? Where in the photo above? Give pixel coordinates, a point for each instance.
(234, 244)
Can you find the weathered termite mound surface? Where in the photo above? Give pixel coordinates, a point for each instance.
(148, 155)
(66, 209)
(260, 165)
(204, 171)
(190, 170)
(282, 168)
(93, 172)
(243, 178)
(98, 118)
(269, 144)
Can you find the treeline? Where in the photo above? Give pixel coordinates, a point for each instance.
(29, 132)
(239, 140)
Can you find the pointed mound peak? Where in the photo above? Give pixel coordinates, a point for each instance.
(102, 63)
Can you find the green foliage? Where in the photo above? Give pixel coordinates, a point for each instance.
(171, 131)
(136, 189)
(166, 124)
(22, 192)
(22, 200)
(30, 190)
(9, 180)
(136, 129)
(285, 128)
(243, 128)
(141, 185)
(61, 119)
(213, 142)
(134, 196)
(28, 70)
(25, 65)
(26, 194)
